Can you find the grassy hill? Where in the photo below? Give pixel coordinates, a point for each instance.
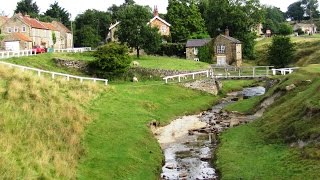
(308, 50)
(41, 125)
(284, 143)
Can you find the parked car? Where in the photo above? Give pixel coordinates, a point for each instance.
(38, 50)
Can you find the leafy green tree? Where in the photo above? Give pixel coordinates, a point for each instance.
(206, 52)
(134, 31)
(58, 13)
(295, 11)
(285, 29)
(185, 18)
(98, 21)
(281, 51)
(112, 60)
(27, 7)
(311, 8)
(114, 9)
(274, 17)
(216, 16)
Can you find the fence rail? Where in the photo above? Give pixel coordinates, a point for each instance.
(55, 74)
(284, 71)
(30, 52)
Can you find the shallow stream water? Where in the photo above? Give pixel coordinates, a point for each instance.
(189, 142)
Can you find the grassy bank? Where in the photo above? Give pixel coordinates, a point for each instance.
(119, 143)
(41, 125)
(169, 63)
(283, 143)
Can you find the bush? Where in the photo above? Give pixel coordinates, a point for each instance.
(112, 60)
(205, 53)
(281, 51)
(285, 29)
(299, 31)
(172, 49)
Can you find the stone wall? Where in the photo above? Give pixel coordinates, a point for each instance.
(159, 72)
(82, 65)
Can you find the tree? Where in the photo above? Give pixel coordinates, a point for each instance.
(27, 7)
(295, 11)
(112, 60)
(310, 8)
(134, 31)
(114, 9)
(185, 18)
(58, 13)
(274, 17)
(285, 29)
(97, 24)
(281, 51)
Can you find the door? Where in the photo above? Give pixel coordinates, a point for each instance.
(12, 46)
(221, 60)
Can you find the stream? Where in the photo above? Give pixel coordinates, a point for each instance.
(189, 142)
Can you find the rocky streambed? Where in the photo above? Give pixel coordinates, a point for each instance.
(189, 142)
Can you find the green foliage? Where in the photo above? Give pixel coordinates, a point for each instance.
(285, 29)
(134, 31)
(246, 106)
(172, 49)
(199, 35)
(281, 51)
(206, 53)
(54, 38)
(91, 28)
(274, 17)
(185, 18)
(311, 8)
(112, 60)
(299, 31)
(58, 13)
(27, 7)
(295, 11)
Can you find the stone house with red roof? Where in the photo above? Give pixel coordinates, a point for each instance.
(23, 32)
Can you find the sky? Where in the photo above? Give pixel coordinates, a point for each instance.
(79, 6)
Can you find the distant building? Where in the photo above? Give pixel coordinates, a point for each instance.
(156, 21)
(22, 32)
(192, 47)
(228, 50)
(258, 29)
(306, 28)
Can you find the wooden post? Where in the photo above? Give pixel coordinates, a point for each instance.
(267, 70)
(39, 73)
(106, 82)
(81, 80)
(192, 76)
(239, 72)
(68, 78)
(207, 73)
(52, 75)
(179, 79)
(253, 71)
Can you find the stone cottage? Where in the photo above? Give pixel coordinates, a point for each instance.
(192, 47)
(306, 28)
(156, 21)
(228, 50)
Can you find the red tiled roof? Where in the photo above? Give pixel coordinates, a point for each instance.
(49, 26)
(33, 22)
(17, 37)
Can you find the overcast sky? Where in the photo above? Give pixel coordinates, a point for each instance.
(78, 6)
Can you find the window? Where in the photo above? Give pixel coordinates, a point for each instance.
(221, 49)
(9, 30)
(24, 29)
(163, 28)
(16, 29)
(195, 51)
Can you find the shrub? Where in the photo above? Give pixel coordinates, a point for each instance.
(205, 53)
(281, 51)
(172, 49)
(112, 60)
(285, 29)
(299, 31)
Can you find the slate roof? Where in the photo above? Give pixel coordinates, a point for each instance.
(197, 42)
(17, 37)
(234, 40)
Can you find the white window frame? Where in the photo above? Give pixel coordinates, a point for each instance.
(221, 49)
(195, 51)
(163, 28)
(9, 30)
(16, 29)
(23, 29)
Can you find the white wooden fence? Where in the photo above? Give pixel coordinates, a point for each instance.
(184, 76)
(284, 71)
(9, 54)
(54, 74)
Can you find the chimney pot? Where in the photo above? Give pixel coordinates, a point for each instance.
(226, 32)
(155, 11)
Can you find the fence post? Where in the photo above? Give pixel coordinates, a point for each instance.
(52, 75)
(106, 82)
(253, 71)
(179, 79)
(68, 78)
(39, 73)
(267, 70)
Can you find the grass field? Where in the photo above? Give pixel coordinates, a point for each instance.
(169, 63)
(262, 150)
(41, 125)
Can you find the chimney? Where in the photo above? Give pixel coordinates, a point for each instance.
(27, 15)
(226, 32)
(155, 11)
